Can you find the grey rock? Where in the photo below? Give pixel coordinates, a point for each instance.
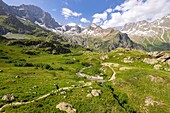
(96, 92)
(157, 66)
(150, 61)
(63, 106)
(8, 97)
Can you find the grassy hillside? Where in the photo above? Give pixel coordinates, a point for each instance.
(138, 87)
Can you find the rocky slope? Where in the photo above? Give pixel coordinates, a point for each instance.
(30, 13)
(153, 35)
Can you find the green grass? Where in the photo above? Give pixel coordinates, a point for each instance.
(131, 86)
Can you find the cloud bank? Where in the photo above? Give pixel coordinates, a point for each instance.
(68, 13)
(132, 11)
(84, 20)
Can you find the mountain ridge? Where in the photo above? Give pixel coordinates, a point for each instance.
(150, 34)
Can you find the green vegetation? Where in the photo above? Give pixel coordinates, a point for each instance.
(29, 77)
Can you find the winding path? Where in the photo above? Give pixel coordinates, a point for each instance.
(41, 97)
(113, 77)
(80, 74)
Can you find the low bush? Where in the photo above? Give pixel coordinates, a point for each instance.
(86, 64)
(23, 64)
(60, 68)
(4, 57)
(43, 66)
(69, 62)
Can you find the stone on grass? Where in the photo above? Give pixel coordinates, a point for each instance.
(149, 101)
(63, 93)
(168, 62)
(96, 92)
(157, 66)
(150, 61)
(1, 70)
(8, 97)
(156, 79)
(104, 57)
(17, 76)
(87, 84)
(35, 87)
(167, 69)
(89, 95)
(63, 106)
(128, 60)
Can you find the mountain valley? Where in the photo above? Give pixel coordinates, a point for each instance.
(47, 67)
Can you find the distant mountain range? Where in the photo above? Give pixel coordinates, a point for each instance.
(153, 35)
(142, 33)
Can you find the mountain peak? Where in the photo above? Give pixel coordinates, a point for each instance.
(93, 25)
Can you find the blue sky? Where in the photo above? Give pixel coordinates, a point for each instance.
(106, 13)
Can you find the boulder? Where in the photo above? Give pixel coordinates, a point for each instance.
(63, 93)
(167, 69)
(128, 60)
(104, 57)
(35, 87)
(89, 95)
(8, 97)
(160, 56)
(156, 79)
(149, 101)
(157, 66)
(155, 54)
(168, 62)
(96, 92)
(17, 76)
(150, 61)
(87, 84)
(63, 106)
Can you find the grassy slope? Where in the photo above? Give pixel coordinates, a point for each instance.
(136, 89)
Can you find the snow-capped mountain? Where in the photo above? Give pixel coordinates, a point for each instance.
(143, 32)
(144, 28)
(156, 33)
(30, 13)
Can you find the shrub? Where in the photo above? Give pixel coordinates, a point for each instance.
(96, 71)
(69, 62)
(4, 57)
(43, 66)
(86, 64)
(23, 64)
(60, 68)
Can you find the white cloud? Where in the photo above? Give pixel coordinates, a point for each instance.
(116, 20)
(102, 16)
(137, 10)
(99, 17)
(72, 24)
(68, 13)
(118, 8)
(109, 10)
(84, 20)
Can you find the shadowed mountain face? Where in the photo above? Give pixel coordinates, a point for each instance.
(152, 35)
(31, 13)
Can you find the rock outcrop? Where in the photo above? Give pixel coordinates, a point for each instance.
(63, 106)
(8, 97)
(150, 61)
(96, 92)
